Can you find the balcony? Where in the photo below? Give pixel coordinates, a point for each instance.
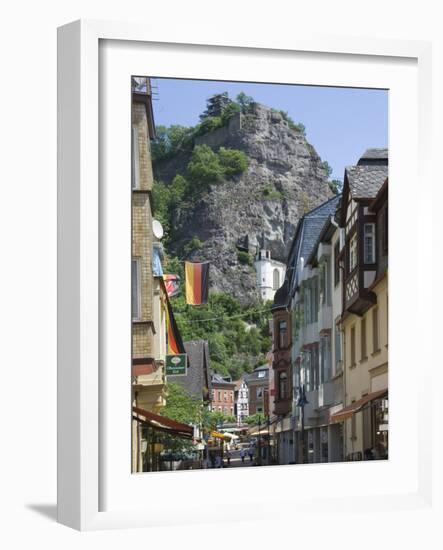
(141, 85)
(283, 406)
(357, 299)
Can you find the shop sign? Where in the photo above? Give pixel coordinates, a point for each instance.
(176, 364)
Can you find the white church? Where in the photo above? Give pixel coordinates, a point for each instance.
(270, 274)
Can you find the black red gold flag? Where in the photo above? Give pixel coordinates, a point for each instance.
(197, 283)
(175, 342)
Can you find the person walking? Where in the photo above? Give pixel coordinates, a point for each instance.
(251, 453)
(228, 456)
(242, 454)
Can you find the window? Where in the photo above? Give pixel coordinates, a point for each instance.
(352, 346)
(219, 395)
(337, 345)
(369, 243)
(282, 331)
(135, 172)
(135, 288)
(276, 281)
(283, 385)
(353, 252)
(315, 366)
(364, 354)
(261, 374)
(385, 226)
(375, 339)
(325, 359)
(259, 393)
(336, 263)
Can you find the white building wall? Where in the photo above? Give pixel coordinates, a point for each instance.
(242, 402)
(265, 267)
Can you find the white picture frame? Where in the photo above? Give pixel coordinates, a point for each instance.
(98, 492)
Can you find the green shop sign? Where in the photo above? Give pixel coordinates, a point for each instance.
(176, 364)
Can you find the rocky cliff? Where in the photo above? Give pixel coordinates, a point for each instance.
(285, 178)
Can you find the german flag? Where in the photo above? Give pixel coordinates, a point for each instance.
(175, 342)
(197, 283)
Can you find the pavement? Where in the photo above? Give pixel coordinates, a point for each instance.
(236, 461)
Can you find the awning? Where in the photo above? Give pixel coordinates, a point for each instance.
(351, 409)
(162, 423)
(265, 431)
(219, 435)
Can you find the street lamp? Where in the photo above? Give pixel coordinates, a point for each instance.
(301, 402)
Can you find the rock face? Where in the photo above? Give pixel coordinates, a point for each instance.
(261, 207)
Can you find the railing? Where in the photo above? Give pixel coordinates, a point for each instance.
(141, 85)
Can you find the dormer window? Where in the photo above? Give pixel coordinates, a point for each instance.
(369, 243)
(353, 253)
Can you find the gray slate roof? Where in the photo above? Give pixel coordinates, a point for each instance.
(253, 376)
(218, 379)
(197, 379)
(365, 181)
(306, 235)
(374, 153)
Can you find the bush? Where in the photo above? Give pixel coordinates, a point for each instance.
(194, 244)
(271, 194)
(229, 111)
(208, 124)
(204, 167)
(233, 161)
(244, 258)
(169, 140)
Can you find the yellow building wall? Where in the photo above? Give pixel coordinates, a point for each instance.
(149, 331)
(370, 373)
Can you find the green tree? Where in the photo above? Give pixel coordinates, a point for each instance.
(328, 168)
(255, 419)
(181, 406)
(229, 111)
(245, 101)
(233, 161)
(336, 186)
(169, 140)
(208, 124)
(215, 419)
(204, 168)
(215, 105)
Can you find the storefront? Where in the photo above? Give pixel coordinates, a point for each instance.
(367, 426)
(154, 435)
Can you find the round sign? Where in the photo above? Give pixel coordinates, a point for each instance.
(175, 360)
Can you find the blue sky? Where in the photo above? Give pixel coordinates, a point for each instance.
(340, 122)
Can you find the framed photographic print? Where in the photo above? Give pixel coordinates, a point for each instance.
(231, 303)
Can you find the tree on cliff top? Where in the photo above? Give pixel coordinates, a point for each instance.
(216, 105)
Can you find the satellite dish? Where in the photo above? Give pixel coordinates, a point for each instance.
(157, 229)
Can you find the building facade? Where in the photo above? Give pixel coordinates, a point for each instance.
(364, 218)
(222, 395)
(258, 388)
(148, 319)
(241, 401)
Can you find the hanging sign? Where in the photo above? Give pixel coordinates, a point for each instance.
(176, 364)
